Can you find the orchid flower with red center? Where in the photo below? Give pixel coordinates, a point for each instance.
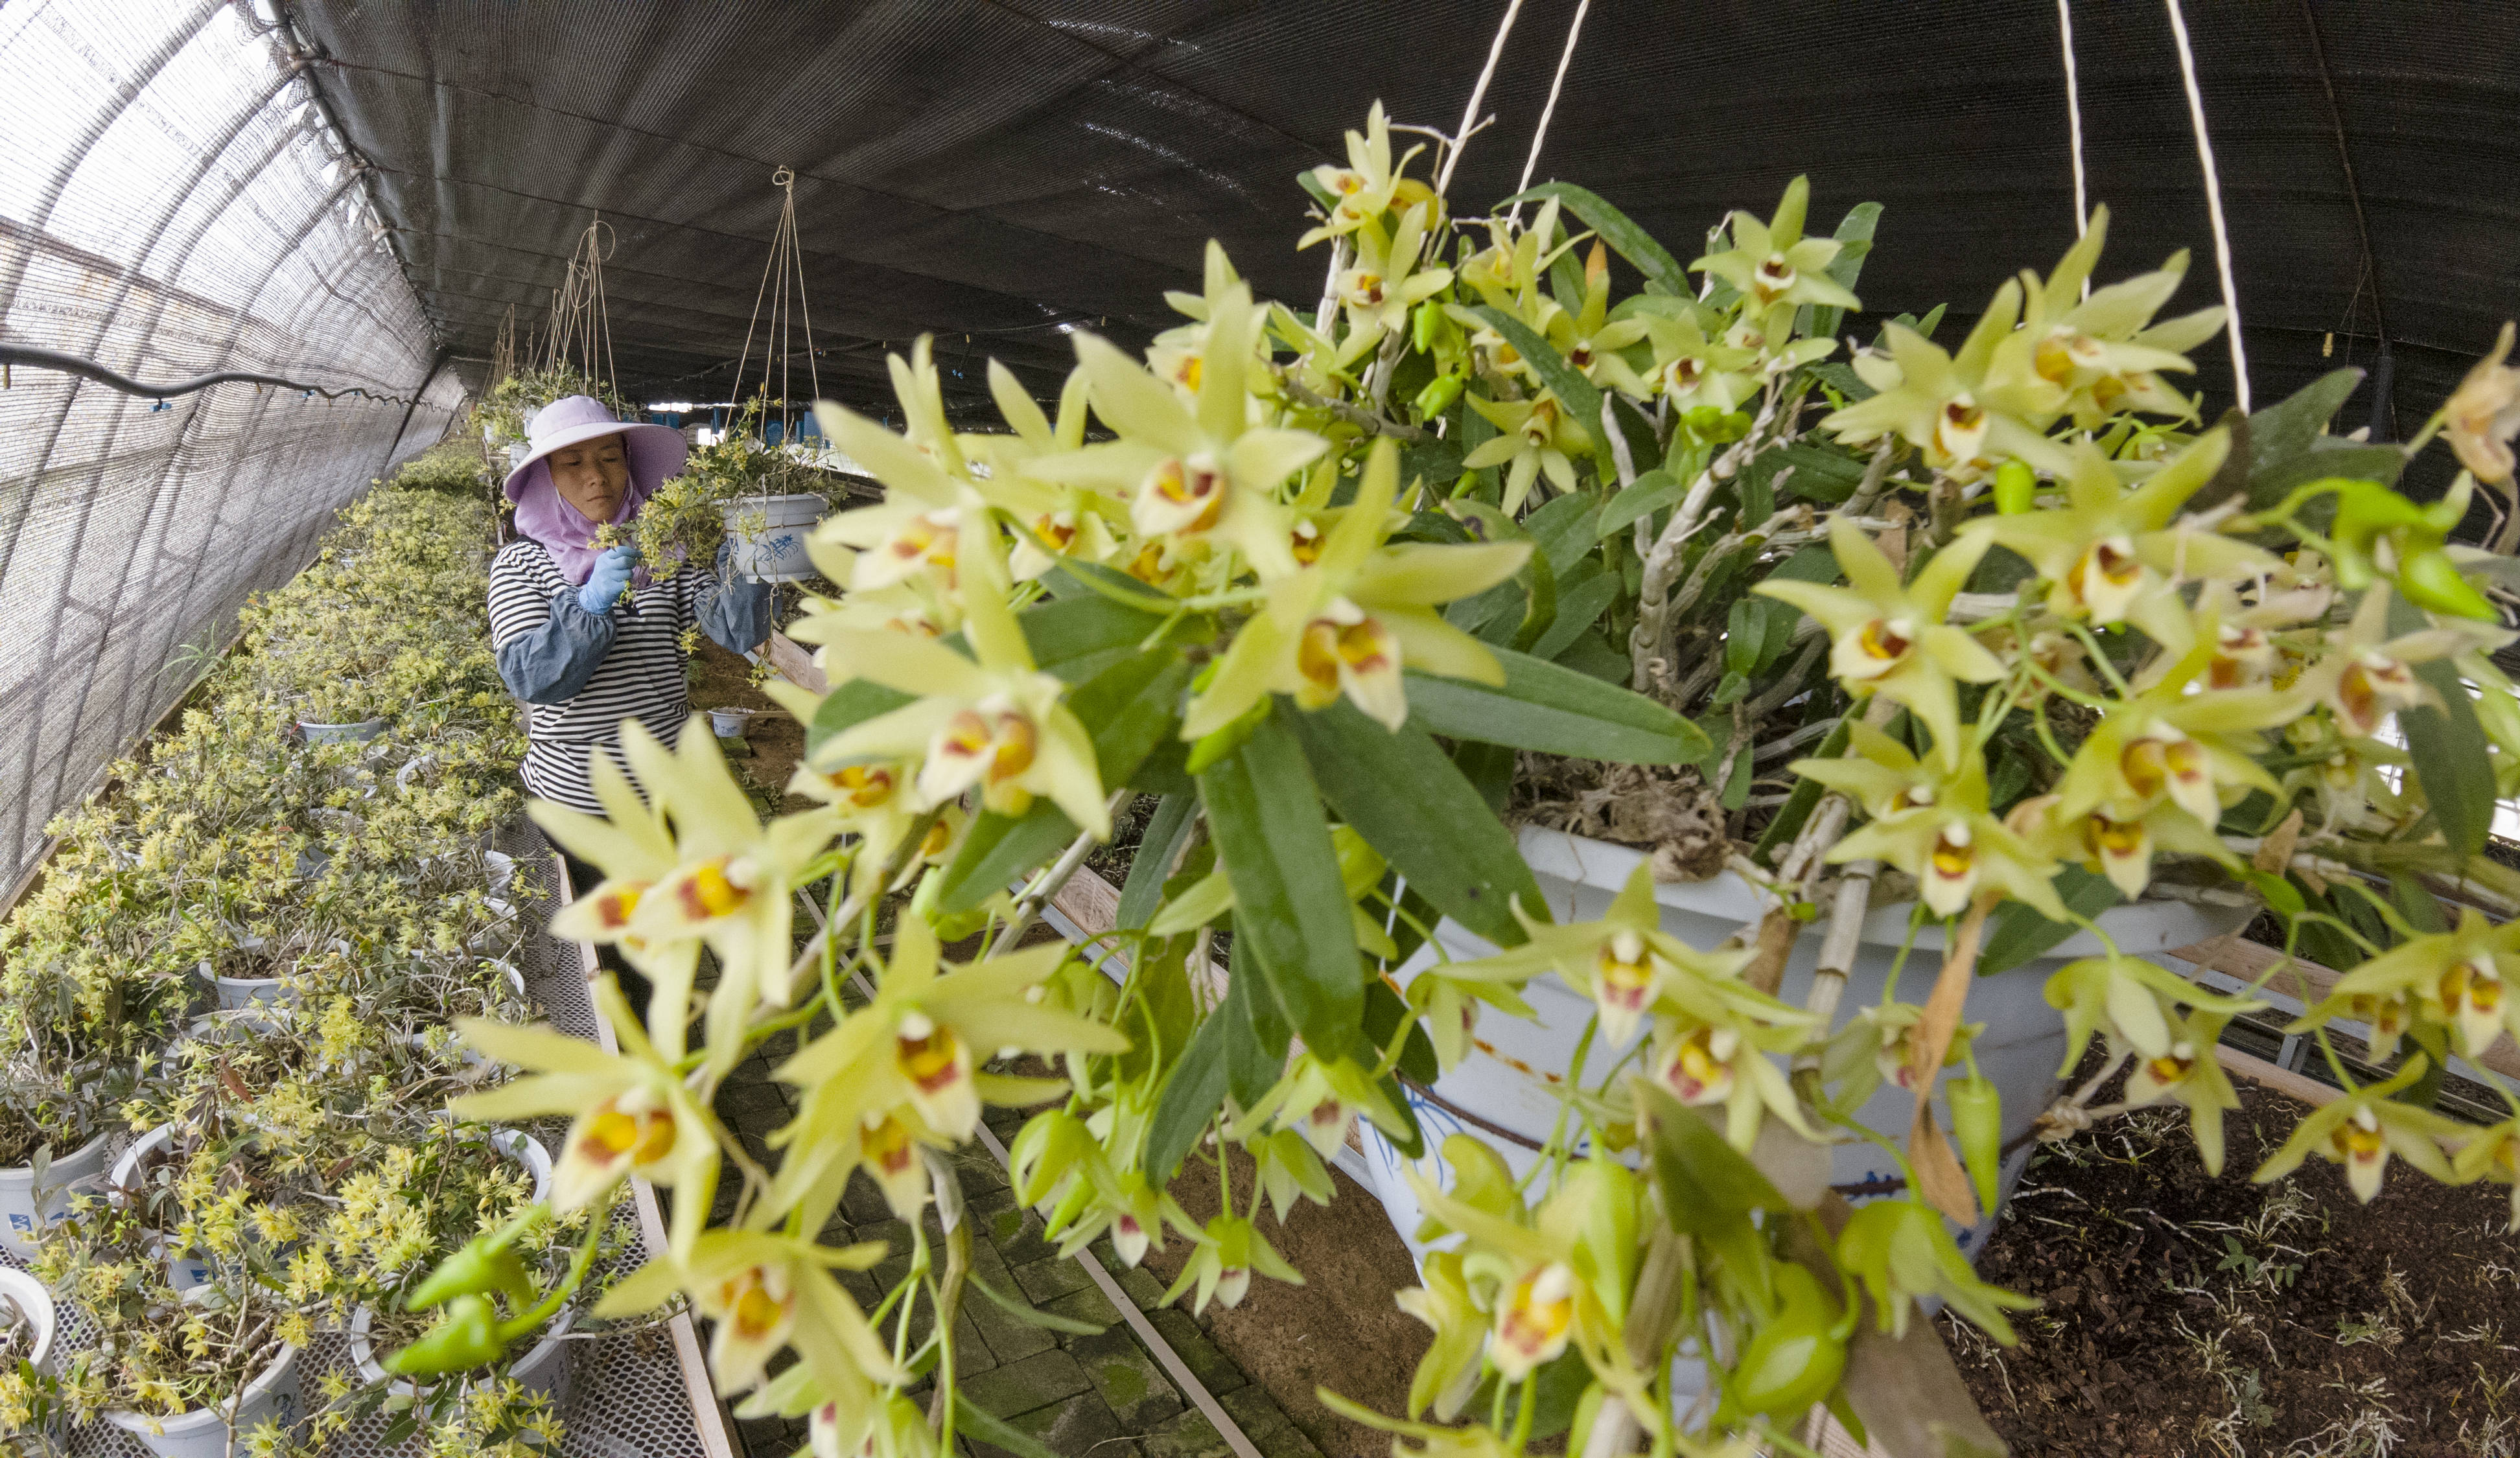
(2172, 742)
(997, 724)
(1772, 262)
(1889, 638)
(632, 1114)
(913, 1054)
(2366, 675)
(1345, 626)
(1196, 471)
(2188, 1071)
(1968, 412)
(1630, 967)
(2105, 351)
(1371, 182)
(766, 1293)
(2366, 1128)
(2116, 554)
(2467, 978)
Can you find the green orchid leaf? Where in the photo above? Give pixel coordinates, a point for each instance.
(1403, 794)
(1616, 229)
(1133, 705)
(1649, 494)
(1565, 529)
(1257, 1035)
(1707, 1185)
(1582, 399)
(1551, 709)
(1854, 236)
(1175, 819)
(1821, 474)
(850, 705)
(1032, 1315)
(2016, 932)
(1384, 1012)
(1291, 910)
(1192, 1095)
(975, 1421)
(2452, 763)
(1581, 602)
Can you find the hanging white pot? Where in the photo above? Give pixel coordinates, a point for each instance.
(203, 1433)
(766, 536)
(25, 1208)
(1510, 1080)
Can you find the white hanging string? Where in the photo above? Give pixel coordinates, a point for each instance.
(1478, 94)
(2213, 205)
(1539, 133)
(2073, 127)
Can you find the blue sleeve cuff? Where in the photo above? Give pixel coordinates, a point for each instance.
(735, 613)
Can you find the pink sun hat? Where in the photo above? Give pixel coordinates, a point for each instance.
(655, 452)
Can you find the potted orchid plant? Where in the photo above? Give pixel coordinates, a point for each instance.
(1785, 746)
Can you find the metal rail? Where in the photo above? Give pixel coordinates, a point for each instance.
(72, 363)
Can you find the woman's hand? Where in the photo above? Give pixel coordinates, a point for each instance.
(603, 585)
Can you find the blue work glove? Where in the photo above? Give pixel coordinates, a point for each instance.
(605, 585)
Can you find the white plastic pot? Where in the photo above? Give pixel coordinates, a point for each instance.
(730, 724)
(357, 733)
(25, 1210)
(766, 536)
(1508, 1078)
(203, 1433)
(544, 1369)
(37, 1305)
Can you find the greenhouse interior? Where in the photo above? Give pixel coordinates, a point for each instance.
(1213, 731)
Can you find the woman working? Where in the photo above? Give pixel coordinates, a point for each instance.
(589, 638)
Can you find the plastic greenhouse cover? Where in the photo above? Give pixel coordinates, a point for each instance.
(170, 206)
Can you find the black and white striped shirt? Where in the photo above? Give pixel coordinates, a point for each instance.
(581, 674)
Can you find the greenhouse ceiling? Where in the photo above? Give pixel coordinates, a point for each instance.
(997, 170)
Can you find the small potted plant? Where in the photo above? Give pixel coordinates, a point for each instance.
(30, 1392)
(422, 1200)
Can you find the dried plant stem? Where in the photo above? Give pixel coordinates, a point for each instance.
(1838, 948)
(1662, 560)
(1354, 415)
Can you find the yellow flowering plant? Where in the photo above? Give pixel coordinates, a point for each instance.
(1527, 498)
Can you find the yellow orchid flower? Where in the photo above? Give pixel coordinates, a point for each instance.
(1369, 184)
(1956, 850)
(633, 848)
(734, 877)
(1968, 412)
(2366, 676)
(1347, 623)
(1890, 638)
(1690, 370)
(2461, 978)
(633, 1115)
(1535, 438)
(1388, 282)
(2194, 749)
(2112, 554)
(2364, 1129)
(765, 1293)
(1190, 473)
(2188, 1071)
(2493, 1153)
(997, 722)
(1630, 966)
(2104, 352)
(919, 1047)
(1772, 263)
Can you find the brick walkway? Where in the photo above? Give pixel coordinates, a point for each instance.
(1105, 1393)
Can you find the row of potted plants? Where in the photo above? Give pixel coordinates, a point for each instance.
(244, 951)
(1931, 680)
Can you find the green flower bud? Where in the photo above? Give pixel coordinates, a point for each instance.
(476, 1269)
(465, 1338)
(2016, 487)
(1977, 1119)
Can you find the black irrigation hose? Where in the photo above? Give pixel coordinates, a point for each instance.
(54, 359)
